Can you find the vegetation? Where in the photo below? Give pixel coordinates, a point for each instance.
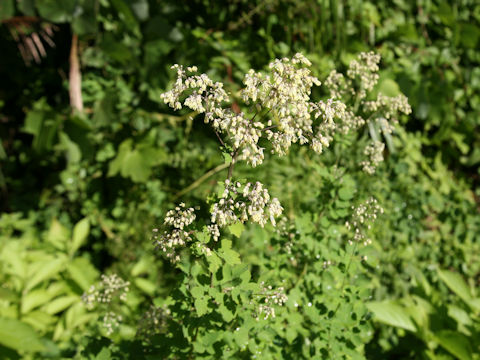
(353, 232)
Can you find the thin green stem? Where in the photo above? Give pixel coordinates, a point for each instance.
(200, 180)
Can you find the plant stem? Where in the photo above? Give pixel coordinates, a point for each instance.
(200, 180)
(232, 164)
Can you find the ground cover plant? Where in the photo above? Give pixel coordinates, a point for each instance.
(323, 205)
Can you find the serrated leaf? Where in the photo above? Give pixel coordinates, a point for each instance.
(201, 306)
(203, 236)
(346, 193)
(393, 314)
(230, 256)
(241, 336)
(236, 229)
(214, 262)
(227, 315)
(197, 292)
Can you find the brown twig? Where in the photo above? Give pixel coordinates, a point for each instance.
(75, 77)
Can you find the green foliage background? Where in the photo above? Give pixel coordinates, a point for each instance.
(80, 193)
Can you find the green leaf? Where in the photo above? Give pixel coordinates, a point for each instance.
(241, 336)
(104, 354)
(58, 235)
(125, 14)
(34, 299)
(19, 336)
(72, 150)
(143, 266)
(214, 262)
(137, 167)
(230, 256)
(104, 113)
(455, 343)
(134, 163)
(77, 315)
(60, 304)
(211, 338)
(80, 233)
(475, 304)
(27, 7)
(42, 122)
(470, 34)
(7, 9)
(227, 157)
(346, 193)
(56, 11)
(203, 236)
(197, 292)
(47, 270)
(82, 272)
(201, 306)
(8, 295)
(392, 314)
(227, 315)
(236, 229)
(456, 283)
(146, 286)
(141, 9)
(40, 320)
(389, 87)
(85, 20)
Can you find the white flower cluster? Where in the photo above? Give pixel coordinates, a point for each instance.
(286, 94)
(361, 77)
(362, 71)
(207, 97)
(282, 100)
(337, 85)
(335, 118)
(365, 69)
(388, 108)
(374, 153)
(170, 241)
(180, 217)
(363, 217)
(252, 202)
(110, 286)
(203, 249)
(214, 231)
(111, 322)
(270, 297)
(154, 321)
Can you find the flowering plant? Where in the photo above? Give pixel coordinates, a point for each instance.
(282, 114)
(226, 306)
